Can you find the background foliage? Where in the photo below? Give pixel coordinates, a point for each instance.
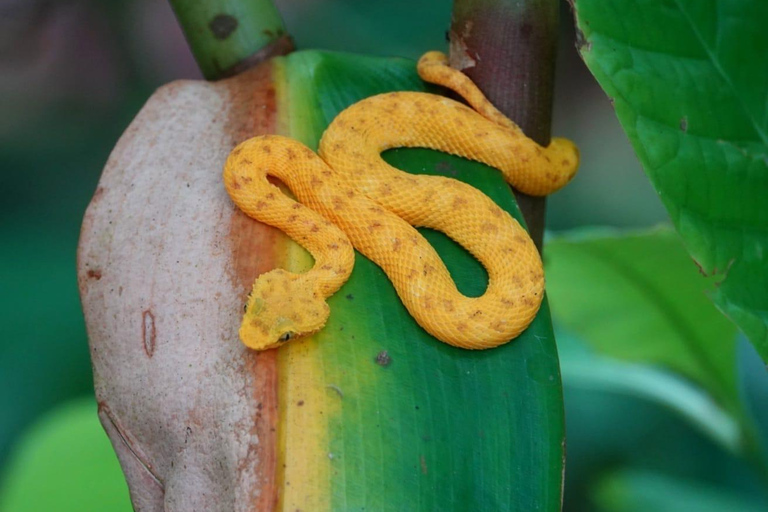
(651, 421)
(689, 80)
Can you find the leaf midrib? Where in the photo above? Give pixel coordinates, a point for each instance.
(677, 322)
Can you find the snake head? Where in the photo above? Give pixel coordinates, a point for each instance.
(282, 307)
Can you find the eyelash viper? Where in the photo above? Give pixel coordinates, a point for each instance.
(348, 196)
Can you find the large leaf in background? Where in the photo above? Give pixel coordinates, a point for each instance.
(640, 491)
(688, 79)
(65, 463)
(636, 330)
(588, 371)
(641, 300)
(437, 428)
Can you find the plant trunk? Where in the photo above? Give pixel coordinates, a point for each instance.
(508, 49)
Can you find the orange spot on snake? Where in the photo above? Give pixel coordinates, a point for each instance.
(458, 202)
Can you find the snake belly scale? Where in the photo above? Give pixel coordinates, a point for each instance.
(347, 196)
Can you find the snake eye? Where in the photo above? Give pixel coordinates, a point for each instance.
(285, 337)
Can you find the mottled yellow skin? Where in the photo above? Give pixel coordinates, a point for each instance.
(349, 194)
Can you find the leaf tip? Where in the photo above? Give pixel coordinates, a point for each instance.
(583, 44)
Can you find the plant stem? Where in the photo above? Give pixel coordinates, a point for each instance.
(229, 36)
(508, 48)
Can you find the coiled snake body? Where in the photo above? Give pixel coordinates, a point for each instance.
(348, 196)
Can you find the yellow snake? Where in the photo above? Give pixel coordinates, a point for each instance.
(349, 197)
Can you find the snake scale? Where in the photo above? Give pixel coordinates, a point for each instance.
(347, 196)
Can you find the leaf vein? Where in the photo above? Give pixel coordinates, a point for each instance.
(719, 68)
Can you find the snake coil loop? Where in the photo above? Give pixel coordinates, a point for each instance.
(349, 197)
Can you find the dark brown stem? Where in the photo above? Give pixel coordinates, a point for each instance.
(508, 48)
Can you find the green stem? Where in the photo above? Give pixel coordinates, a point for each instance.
(229, 36)
(508, 48)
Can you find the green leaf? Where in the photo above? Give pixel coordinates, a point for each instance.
(638, 297)
(640, 491)
(65, 463)
(617, 420)
(639, 324)
(438, 428)
(604, 374)
(688, 79)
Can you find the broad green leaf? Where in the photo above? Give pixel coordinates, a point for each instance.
(634, 415)
(435, 428)
(607, 375)
(689, 79)
(638, 297)
(633, 321)
(65, 463)
(640, 491)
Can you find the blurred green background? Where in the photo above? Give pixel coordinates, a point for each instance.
(74, 73)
